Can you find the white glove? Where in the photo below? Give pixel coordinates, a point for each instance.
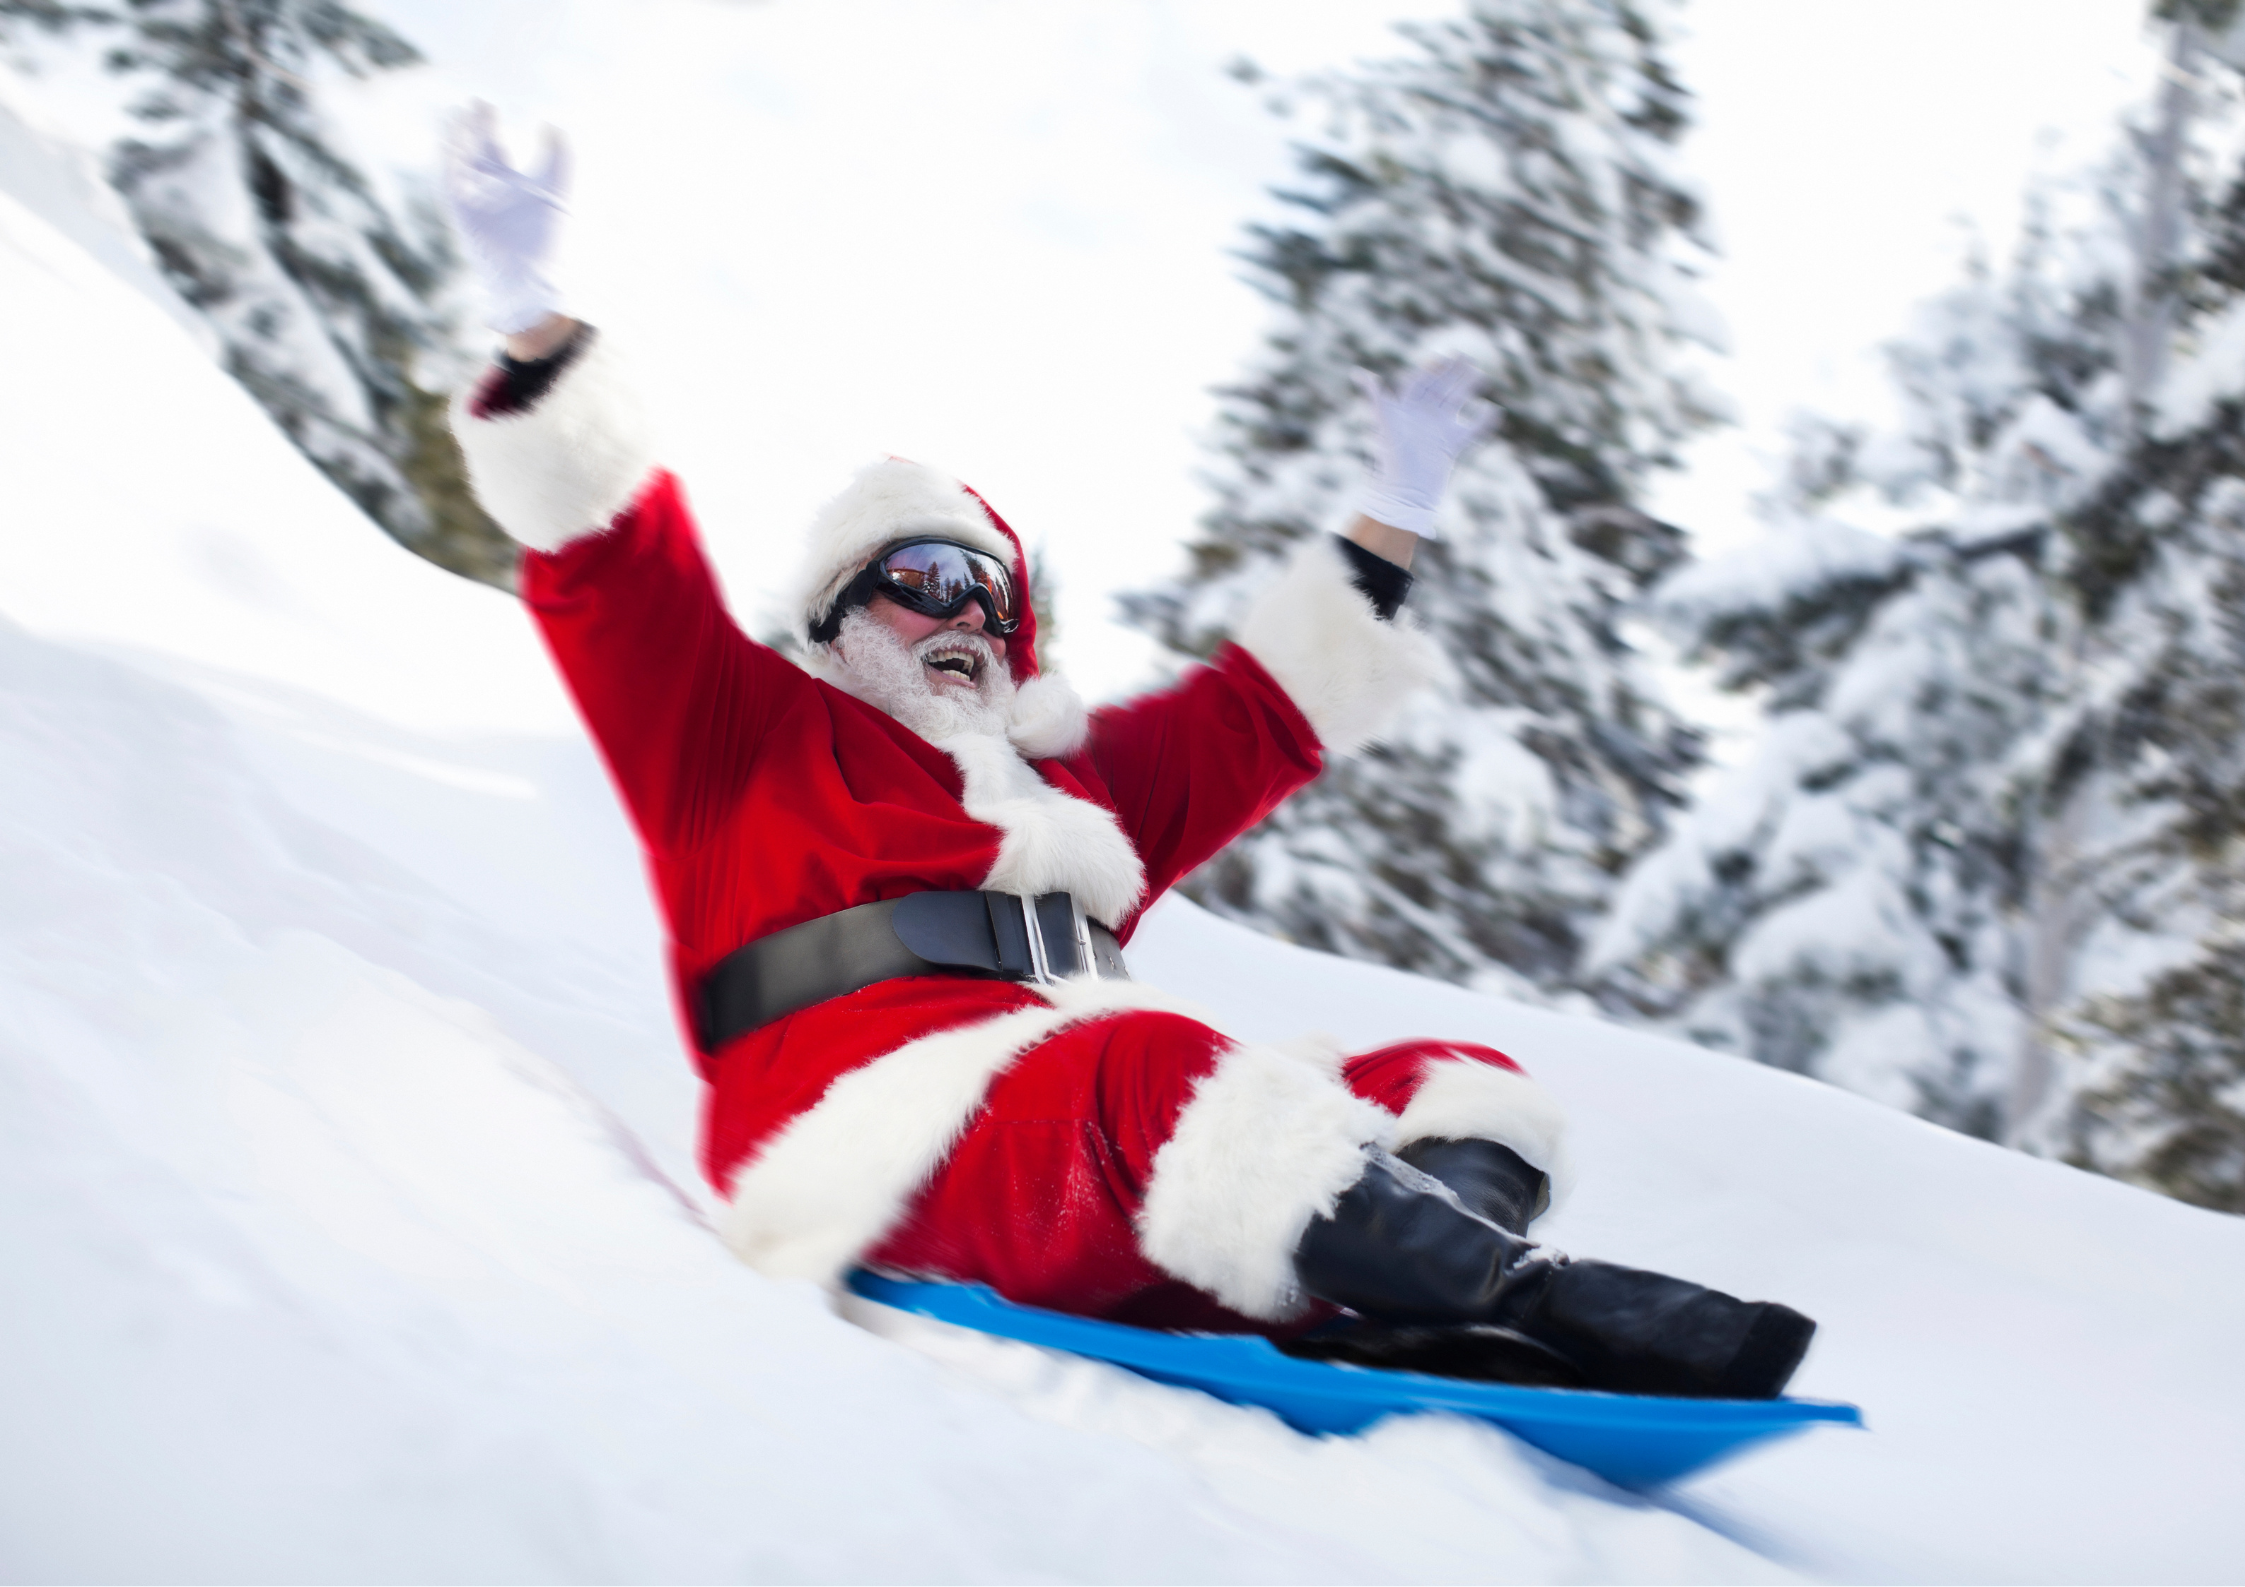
(508, 218)
(1424, 428)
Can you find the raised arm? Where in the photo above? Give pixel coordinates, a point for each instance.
(675, 695)
(1321, 661)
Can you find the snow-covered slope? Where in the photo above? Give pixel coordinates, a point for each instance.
(150, 503)
(347, 1206)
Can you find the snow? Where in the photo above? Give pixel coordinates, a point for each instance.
(2204, 377)
(1981, 522)
(63, 185)
(2050, 440)
(224, 547)
(1739, 806)
(1798, 561)
(346, 1172)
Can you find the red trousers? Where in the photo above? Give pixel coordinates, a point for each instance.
(1042, 1196)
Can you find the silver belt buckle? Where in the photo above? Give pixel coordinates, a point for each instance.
(1081, 924)
(1040, 967)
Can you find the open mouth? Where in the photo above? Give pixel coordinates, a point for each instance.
(957, 664)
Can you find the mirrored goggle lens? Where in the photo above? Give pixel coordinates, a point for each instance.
(942, 576)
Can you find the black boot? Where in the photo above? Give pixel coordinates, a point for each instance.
(1493, 1181)
(1635, 1332)
(1400, 1248)
(1497, 1183)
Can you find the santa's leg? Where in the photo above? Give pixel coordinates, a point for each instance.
(1441, 1289)
(1144, 1168)
(1428, 1248)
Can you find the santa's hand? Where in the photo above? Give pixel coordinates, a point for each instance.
(508, 219)
(1424, 427)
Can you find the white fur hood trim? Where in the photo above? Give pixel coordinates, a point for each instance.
(1466, 1099)
(886, 501)
(831, 1184)
(1054, 842)
(1268, 1142)
(1343, 666)
(567, 465)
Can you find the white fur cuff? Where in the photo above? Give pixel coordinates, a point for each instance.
(1343, 666)
(1465, 1099)
(1267, 1143)
(567, 465)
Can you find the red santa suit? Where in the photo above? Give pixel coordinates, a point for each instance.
(1092, 1145)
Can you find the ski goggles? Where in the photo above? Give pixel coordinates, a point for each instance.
(935, 578)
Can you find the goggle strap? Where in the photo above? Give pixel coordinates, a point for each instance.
(851, 596)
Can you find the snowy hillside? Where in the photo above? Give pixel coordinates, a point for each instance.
(214, 546)
(346, 1193)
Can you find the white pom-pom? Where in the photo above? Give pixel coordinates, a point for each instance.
(1048, 719)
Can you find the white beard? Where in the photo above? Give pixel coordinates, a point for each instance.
(876, 666)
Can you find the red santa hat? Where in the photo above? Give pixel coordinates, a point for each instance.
(894, 500)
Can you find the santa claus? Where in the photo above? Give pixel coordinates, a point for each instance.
(899, 878)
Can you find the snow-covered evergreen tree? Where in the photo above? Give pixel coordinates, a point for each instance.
(1843, 903)
(1850, 901)
(2144, 1074)
(324, 295)
(1986, 859)
(1505, 191)
(2150, 1083)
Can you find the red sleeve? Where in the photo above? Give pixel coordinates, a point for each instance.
(1193, 766)
(676, 696)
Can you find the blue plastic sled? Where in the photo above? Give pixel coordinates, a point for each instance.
(1633, 1440)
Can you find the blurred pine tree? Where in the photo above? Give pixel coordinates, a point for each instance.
(1988, 860)
(325, 297)
(1504, 191)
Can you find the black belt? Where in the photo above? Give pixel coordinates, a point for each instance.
(1002, 935)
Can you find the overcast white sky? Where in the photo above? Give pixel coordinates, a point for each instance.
(993, 234)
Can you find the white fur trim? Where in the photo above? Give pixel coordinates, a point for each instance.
(1464, 1099)
(887, 501)
(1048, 718)
(1338, 661)
(1054, 842)
(832, 1183)
(1266, 1144)
(568, 464)
(1320, 1051)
